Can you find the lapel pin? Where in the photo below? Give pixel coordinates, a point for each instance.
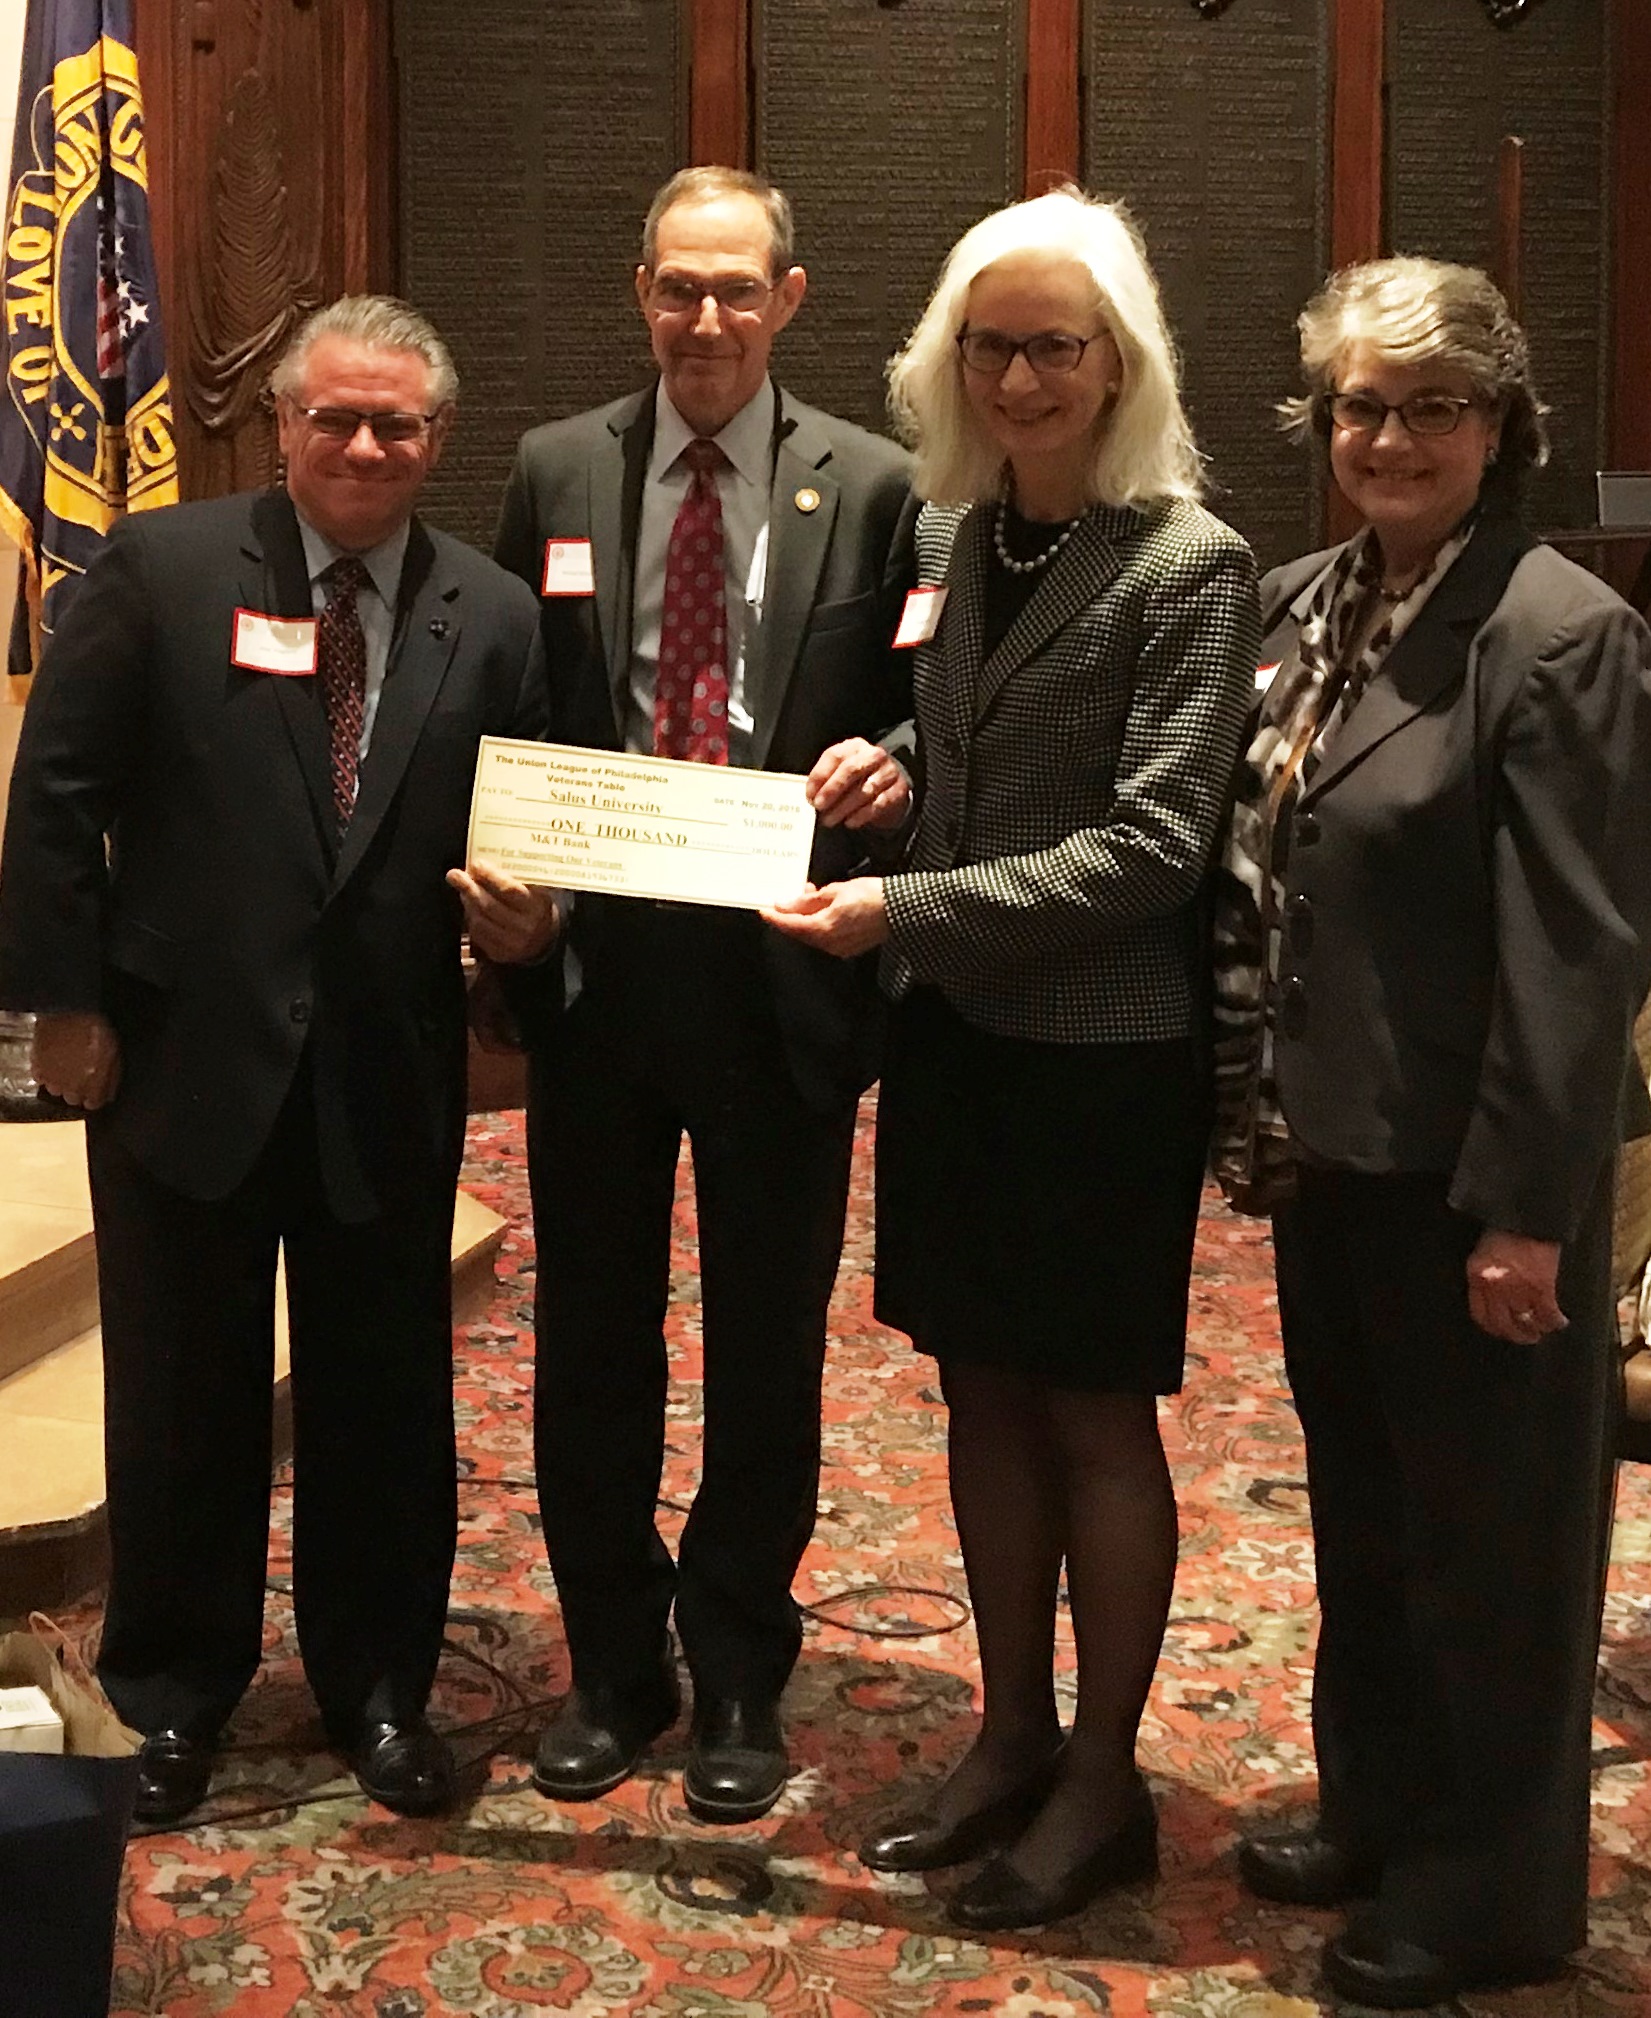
(807, 500)
(438, 628)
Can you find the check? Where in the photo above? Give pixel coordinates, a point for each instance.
(577, 819)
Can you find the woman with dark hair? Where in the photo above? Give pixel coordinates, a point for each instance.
(1434, 931)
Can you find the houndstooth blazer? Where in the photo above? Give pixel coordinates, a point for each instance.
(1071, 785)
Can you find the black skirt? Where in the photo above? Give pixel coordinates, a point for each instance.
(1036, 1203)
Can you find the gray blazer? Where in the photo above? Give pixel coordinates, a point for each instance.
(1073, 783)
(1468, 904)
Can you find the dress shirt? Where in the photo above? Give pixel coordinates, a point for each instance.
(376, 605)
(743, 485)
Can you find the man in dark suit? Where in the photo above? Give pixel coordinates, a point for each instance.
(247, 970)
(666, 1018)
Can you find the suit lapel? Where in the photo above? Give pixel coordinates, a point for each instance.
(1075, 579)
(798, 540)
(1429, 662)
(275, 581)
(429, 619)
(615, 478)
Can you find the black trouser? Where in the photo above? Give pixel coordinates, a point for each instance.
(675, 1032)
(187, 1292)
(1459, 1489)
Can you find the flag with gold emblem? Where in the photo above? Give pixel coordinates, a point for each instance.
(86, 422)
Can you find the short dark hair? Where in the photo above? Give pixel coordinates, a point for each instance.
(704, 185)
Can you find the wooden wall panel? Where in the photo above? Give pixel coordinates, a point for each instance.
(1054, 111)
(533, 139)
(892, 130)
(272, 167)
(719, 69)
(1457, 86)
(1630, 419)
(1216, 134)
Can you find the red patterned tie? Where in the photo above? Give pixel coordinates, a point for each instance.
(341, 651)
(691, 689)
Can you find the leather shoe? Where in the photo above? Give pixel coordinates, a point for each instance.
(595, 1739)
(407, 1767)
(1368, 1965)
(919, 1841)
(1304, 1868)
(174, 1771)
(998, 1896)
(738, 1764)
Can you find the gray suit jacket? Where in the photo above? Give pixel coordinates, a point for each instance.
(1468, 905)
(820, 669)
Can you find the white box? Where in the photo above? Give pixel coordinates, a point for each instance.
(1624, 497)
(28, 1723)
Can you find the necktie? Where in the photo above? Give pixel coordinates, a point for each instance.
(341, 651)
(691, 687)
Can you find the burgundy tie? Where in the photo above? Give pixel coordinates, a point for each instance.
(342, 654)
(691, 688)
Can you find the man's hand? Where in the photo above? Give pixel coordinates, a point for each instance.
(1512, 1287)
(856, 784)
(506, 920)
(77, 1057)
(843, 918)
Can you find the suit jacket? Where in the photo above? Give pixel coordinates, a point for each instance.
(1468, 903)
(820, 668)
(1073, 782)
(223, 930)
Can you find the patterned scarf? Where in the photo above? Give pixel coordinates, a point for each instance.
(1311, 696)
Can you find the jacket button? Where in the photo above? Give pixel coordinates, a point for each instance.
(1292, 1010)
(1307, 829)
(1298, 911)
(299, 1011)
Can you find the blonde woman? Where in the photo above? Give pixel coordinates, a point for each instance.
(1044, 1112)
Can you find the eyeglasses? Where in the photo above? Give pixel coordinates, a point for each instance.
(1425, 413)
(1051, 350)
(343, 423)
(682, 293)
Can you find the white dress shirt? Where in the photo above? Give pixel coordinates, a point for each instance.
(375, 604)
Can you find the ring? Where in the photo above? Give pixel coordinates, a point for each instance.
(1524, 1317)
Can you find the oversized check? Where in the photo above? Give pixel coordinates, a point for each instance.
(577, 819)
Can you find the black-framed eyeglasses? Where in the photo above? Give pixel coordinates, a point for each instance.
(683, 293)
(344, 423)
(1051, 350)
(1423, 413)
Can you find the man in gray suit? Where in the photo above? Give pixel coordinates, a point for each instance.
(721, 571)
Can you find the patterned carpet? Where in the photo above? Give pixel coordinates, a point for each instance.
(323, 1905)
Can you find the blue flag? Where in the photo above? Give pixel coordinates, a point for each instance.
(86, 422)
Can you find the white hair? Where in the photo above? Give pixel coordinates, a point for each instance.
(1145, 452)
(382, 323)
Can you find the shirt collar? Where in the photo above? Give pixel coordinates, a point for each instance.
(383, 562)
(747, 440)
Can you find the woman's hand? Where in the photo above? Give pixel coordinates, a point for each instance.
(857, 784)
(1512, 1287)
(843, 918)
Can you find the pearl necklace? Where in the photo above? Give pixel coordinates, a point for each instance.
(1028, 567)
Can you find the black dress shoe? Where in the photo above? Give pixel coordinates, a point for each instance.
(1367, 1965)
(998, 1896)
(1304, 1868)
(407, 1767)
(174, 1772)
(738, 1764)
(595, 1739)
(919, 1841)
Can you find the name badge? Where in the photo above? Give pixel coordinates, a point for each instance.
(920, 619)
(569, 570)
(1264, 675)
(273, 644)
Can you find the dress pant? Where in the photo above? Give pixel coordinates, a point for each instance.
(1460, 1491)
(187, 1292)
(675, 1031)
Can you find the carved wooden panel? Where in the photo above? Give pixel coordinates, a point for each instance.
(892, 130)
(271, 166)
(533, 138)
(1458, 84)
(1215, 132)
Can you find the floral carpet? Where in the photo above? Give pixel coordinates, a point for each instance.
(294, 1895)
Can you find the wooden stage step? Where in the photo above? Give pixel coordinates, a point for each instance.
(52, 1545)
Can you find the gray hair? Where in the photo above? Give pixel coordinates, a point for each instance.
(383, 323)
(705, 185)
(1145, 453)
(1412, 311)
